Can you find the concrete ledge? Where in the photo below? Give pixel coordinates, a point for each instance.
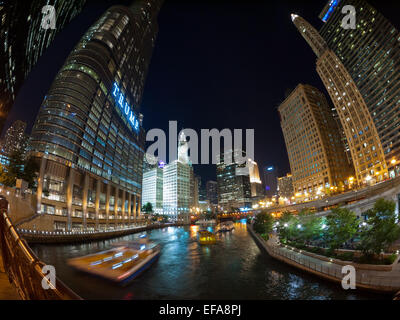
(361, 266)
(372, 280)
(87, 237)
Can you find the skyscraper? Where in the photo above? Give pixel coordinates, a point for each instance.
(255, 181)
(25, 41)
(177, 184)
(212, 191)
(285, 186)
(233, 181)
(152, 188)
(270, 174)
(316, 153)
(15, 138)
(371, 54)
(88, 135)
(362, 137)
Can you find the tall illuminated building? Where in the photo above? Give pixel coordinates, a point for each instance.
(177, 191)
(152, 188)
(361, 134)
(24, 41)
(15, 138)
(316, 154)
(371, 54)
(88, 135)
(255, 181)
(285, 186)
(233, 180)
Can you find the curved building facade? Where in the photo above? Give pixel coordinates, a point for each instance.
(88, 135)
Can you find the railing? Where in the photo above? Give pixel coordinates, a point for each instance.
(376, 280)
(23, 268)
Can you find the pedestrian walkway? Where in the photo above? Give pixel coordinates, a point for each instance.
(379, 280)
(7, 290)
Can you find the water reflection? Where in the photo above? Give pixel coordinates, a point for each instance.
(233, 268)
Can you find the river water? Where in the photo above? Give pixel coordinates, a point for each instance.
(233, 268)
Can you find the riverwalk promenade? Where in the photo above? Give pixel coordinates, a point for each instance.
(378, 278)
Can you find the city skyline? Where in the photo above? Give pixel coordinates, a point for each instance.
(154, 108)
(297, 105)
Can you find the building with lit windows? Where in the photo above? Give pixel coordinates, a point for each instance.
(285, 186)
(15, 138)
(177, 181)
(316, 154)
(88, 135)
(255, 181)
(152, 188)
(371, 54)
(25, 41)
(361, 134)
(233, 180)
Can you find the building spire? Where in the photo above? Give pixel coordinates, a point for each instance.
(310, 34)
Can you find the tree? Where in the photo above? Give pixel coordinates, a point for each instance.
(19, 168)
(263, 224)
(31, 167)
(342, 225)
(382, 228)
(311, 228)
(147, 208)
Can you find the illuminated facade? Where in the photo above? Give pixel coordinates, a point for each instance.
(88, 136)
(177, 181)
(25, 41)
(371, 54)
(233, 179)
(15, 138)
(255, 181)
(361, 134)
(152, 191)
(316, 154)
(285, 186)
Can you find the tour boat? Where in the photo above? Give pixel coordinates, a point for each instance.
(225, 226)
(121, 264)
(206, 237)
(205, 222)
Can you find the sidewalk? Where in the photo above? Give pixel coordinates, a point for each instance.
(376, 280)
(7, 290)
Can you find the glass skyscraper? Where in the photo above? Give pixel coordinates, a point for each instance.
(371, 54)
(25, 41)
(88, 135)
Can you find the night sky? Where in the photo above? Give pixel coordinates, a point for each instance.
(225, 65)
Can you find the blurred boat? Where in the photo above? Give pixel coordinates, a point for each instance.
(206, 237)
(225, 226)
(205, 222)
(121, 264)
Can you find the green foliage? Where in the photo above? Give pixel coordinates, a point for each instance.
(311, 228)
(382, 228)
(342, 225)
(263, 224)
(287, 227)
(147, 208)
(19, 168)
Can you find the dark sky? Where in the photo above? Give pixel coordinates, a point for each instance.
(224, 65)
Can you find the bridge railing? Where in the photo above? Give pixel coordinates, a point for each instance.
(24, 269)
